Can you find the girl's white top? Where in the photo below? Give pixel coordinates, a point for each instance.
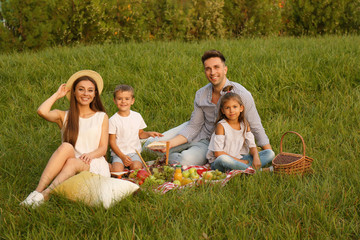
(88, 140)
(234, 142)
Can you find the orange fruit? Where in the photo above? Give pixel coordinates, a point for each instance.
(185, 181)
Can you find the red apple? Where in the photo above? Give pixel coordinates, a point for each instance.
(142, 175)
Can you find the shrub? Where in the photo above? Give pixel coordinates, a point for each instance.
(7, 41)
(206, 20)
(127, 20)
(307, 17)
(82, 21)
(35, 24)
(252, 17)
(28, 23)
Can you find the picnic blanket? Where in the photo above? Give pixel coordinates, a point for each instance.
(167, 186)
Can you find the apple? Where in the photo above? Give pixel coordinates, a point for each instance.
(194, 175)
(142, 175)
(191, 170)
(186, 174)
(177, 182)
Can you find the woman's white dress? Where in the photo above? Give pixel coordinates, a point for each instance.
(88, 140)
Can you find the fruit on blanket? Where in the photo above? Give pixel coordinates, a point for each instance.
(165, 173)
(151, 178)
(223, 175)
(133, 174)
(186, 174)
(150, 181)
(168, 173)
(156, 173)
(160, 181)
(208, 175)
(177, 182)
(142, 175)
(155, 170)
(217, 172)
(194, 175)
(192, 170)
(185, 181)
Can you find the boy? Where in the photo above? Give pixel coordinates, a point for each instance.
(125, 131)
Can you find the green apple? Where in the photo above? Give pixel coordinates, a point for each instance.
(177, 182)
(191, 170)
(186, 174)
(194, 175)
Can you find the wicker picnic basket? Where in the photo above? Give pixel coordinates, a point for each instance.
(290, 163)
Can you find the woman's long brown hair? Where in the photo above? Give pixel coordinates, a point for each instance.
(71, 124)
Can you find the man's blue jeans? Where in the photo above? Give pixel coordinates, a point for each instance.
(193, 153)
(225, 162)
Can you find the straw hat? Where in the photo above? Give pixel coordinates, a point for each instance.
(94, 75)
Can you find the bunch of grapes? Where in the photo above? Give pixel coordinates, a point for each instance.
(165, 173)
(168, 173)
(152, 181)
(218, 175)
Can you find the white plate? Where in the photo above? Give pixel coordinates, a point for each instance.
(118, 173)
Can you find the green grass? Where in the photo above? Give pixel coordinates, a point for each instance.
(308, 85)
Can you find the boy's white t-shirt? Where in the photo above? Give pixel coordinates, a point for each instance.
(126, 130)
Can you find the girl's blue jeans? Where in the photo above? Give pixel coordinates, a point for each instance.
(225, 162)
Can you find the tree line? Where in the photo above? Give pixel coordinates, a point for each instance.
(35, 24)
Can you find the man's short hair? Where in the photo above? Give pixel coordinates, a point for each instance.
(123, 88)
(211, 54)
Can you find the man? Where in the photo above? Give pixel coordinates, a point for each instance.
(189, 142)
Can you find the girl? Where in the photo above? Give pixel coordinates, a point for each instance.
(232, 140)
(84, 129)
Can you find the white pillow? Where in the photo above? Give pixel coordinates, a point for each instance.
(94, 189)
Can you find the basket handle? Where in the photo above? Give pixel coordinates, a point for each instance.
(298, 136)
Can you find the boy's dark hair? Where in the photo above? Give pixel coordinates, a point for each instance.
(124, 88)
(211, 54)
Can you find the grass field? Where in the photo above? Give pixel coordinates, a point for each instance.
(307, 85)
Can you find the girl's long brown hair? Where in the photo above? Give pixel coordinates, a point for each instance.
(71, 130)
(226, 97)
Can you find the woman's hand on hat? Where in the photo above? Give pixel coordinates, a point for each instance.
(62, 91)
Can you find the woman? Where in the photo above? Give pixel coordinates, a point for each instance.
(84, 129)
